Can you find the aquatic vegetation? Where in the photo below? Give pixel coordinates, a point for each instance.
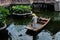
(3, 14)
(21, 9)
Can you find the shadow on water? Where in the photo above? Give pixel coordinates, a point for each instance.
(53, 26)
(21, 20)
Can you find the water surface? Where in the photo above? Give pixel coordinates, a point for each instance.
(51, 30)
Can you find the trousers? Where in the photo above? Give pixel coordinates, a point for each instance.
(34, 25)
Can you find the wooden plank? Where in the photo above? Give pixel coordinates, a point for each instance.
(39, 26)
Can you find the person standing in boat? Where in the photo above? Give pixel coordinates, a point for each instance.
(34, 19)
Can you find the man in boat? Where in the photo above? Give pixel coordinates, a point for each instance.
(34, 19)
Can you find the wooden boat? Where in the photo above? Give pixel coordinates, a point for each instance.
(41, 23)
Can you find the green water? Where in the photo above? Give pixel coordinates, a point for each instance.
(52, 27)
(54, 24)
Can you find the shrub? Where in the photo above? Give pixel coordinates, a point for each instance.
(21, 9)
(3, 14)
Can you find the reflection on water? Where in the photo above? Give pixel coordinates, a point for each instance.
(57, 36)
(21, 20)
(18, 32)
(57, 18)
(47, 36)
(44, 36)
(53, 26)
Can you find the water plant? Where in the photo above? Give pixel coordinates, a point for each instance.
(3, 14)
(21, 9)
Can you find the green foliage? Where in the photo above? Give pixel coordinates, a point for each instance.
(3, 13)
(21, 9)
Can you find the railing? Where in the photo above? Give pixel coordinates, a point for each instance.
(20, 1)
(36, 1)
(50, 1)
(43, 1)
(4, 2)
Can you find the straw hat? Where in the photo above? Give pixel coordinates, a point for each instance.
(33, 14)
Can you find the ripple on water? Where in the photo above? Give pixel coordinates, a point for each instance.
(57, 36)
(44, 36)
